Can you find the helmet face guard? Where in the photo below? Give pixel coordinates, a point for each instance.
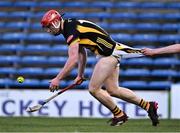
(52, 30)
(51, 22)
(56, 23)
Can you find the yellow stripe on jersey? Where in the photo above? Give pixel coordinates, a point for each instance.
(119, 47)
(104, 42)
(75, 41)
(127, 49)
(87, 41)
(83, 29)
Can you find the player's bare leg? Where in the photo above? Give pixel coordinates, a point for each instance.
(102, 70)
(112, 86)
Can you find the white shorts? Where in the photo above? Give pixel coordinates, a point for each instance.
(123, 51)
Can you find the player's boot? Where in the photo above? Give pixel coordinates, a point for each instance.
(116, 121)
(152, 113)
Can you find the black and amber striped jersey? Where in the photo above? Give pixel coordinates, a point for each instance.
(89, 35)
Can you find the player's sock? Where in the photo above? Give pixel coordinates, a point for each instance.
(144, 104)
(117, 112)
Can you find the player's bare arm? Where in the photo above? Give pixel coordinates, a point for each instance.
(81, 63)
(164, 50)
(73, 55)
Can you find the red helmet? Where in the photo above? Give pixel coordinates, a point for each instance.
(49, 17)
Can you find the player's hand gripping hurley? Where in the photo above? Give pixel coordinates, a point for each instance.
(40, 105)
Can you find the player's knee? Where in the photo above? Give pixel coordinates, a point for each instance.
(92, 89)
(111, 92)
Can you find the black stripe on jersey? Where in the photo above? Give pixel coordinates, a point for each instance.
(94, 26)
(93, 37)
(91, 48)
(102, 47)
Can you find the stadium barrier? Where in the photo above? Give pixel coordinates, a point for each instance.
(175, 98)
(74, 103)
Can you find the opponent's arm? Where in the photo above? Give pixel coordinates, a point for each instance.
(73, 55)
(164, 50)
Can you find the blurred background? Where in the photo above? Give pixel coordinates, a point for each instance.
(25, 50)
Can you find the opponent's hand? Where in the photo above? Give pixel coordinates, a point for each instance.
(54, 84)
(147, 51)
(78, 80)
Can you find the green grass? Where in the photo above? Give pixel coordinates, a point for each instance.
(39, 124)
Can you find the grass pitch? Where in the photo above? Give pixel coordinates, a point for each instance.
(40, 124)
